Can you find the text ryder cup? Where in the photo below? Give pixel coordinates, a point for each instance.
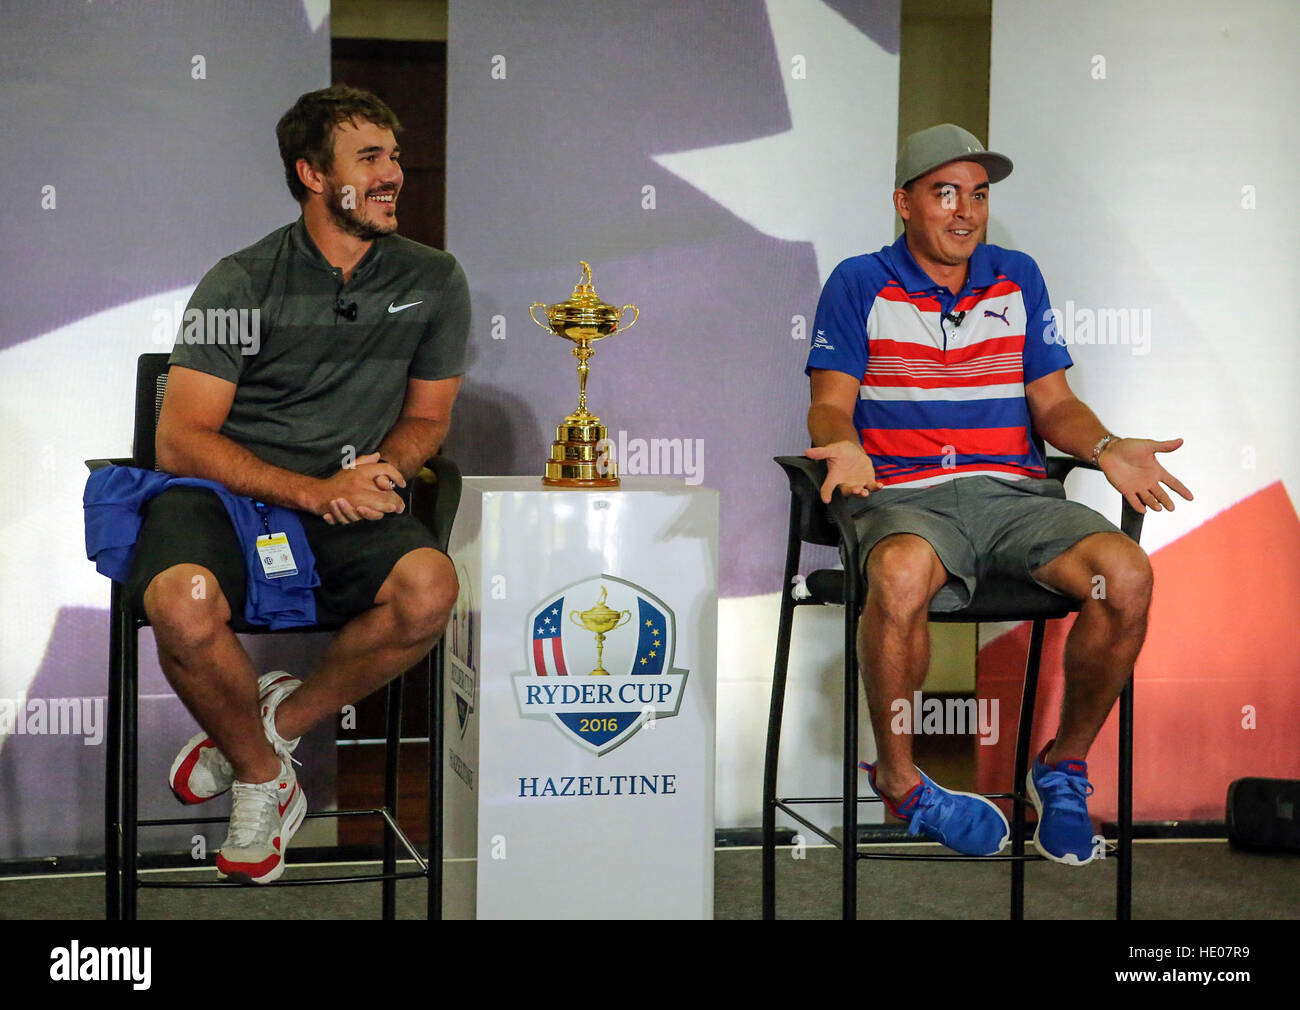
(598, 694)
(598, 785)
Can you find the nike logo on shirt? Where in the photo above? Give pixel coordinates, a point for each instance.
(398, 308)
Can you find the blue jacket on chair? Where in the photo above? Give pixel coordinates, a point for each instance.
(114, 496)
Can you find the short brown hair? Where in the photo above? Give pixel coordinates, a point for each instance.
(307, 130)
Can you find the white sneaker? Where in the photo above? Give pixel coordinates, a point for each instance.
(201, 771)
(263, 819)
(273, 688)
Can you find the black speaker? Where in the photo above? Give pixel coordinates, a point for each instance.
(1264, 814)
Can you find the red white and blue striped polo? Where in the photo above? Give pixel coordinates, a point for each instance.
(942, 394)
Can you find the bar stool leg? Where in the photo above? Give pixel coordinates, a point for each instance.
(392, 756)
(849, 853)
(771, 760)
(1018, 829)
(435, 697)
(113, 761)
(130, 755)
(1124, 883)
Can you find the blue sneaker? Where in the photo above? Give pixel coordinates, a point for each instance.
(1060, 795)
(966, 822)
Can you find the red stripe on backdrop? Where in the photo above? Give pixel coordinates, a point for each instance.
(932, 441)
(1215, 690)
(539, 659)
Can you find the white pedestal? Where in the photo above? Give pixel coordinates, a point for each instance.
(582, 795)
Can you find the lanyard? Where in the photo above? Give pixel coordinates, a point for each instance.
(262, 511)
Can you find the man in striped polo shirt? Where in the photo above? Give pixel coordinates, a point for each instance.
(934, 366)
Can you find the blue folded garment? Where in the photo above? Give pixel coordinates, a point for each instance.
(114, 496)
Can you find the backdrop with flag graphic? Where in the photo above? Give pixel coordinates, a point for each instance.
(719, 170)
(1170, 253)
(143, 136)
(713, 173)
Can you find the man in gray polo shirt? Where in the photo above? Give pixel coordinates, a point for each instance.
(335, 386)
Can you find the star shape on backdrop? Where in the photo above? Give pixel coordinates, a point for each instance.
(317, 11)
(826, 179)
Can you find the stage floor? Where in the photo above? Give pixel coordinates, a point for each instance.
(1171, 880)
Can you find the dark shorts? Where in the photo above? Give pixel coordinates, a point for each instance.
(186, 525)
(981, 527)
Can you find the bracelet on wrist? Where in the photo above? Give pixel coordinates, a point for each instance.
(1101, 446)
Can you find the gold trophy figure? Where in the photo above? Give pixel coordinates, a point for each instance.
(581, 455)
(600, 619)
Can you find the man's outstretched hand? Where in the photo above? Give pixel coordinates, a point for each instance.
(362, 491)
(1131, 466)
(847, 467)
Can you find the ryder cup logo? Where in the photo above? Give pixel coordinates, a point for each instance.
(600, 658)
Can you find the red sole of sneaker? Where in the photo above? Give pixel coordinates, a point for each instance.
(272, 867)
(181, 768)
(257, 873)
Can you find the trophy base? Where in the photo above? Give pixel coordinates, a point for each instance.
(581, 455)
(593, 482)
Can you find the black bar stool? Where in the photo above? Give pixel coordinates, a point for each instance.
(813, 522)
(435, 496)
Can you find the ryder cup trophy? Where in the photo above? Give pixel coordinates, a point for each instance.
(581, 455)
(600, 620)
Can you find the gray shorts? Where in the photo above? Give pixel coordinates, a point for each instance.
(981, 527)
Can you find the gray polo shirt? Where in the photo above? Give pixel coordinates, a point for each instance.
(310, 381)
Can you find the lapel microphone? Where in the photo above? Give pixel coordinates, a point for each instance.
(348, 311)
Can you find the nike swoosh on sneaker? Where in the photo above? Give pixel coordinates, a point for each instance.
(398, 308)
(285, 805)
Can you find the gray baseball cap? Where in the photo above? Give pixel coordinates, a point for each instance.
(926, 150)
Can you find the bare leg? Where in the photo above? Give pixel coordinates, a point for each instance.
(211, 673)
(903, 575)
(410, 612)
(208, 668)
(1107, 636)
